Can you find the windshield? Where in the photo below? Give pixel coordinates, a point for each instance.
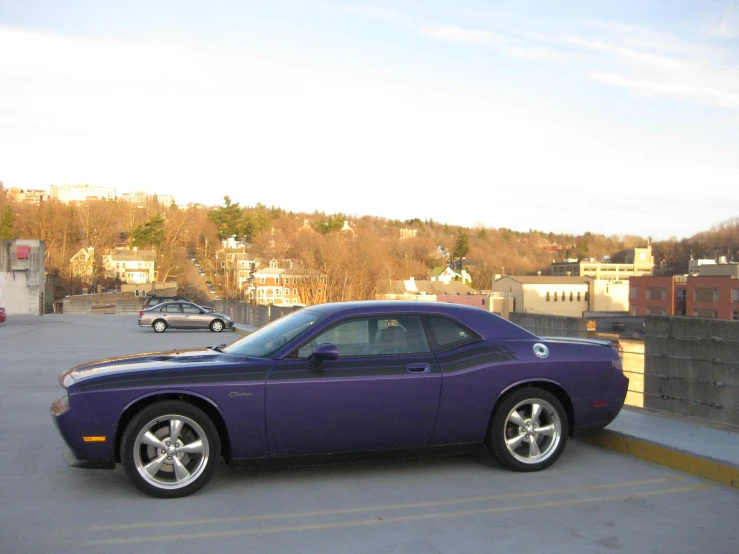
(269, 339)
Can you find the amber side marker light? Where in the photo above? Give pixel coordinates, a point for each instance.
(93, 439)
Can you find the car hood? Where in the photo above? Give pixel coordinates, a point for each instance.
(171, 360)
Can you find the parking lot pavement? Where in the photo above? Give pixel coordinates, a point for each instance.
(591, 500)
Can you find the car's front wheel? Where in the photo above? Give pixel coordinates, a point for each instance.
(528, 430)
(159, 326)
(216, 326)
(170, 449)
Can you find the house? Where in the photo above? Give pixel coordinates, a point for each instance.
(412, 289)
(447, 275)
(132, 266)
(83, 263)
(288, 285)
(22, 276)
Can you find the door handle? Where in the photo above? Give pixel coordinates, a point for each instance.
(418, 368)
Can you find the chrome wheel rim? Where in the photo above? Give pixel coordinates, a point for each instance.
(159, 326)
(216, 326)
(171, 451)
(532, 431)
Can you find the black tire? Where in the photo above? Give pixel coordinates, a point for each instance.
(511, 435)
(177, 468)
(217, 325)
(159, 326)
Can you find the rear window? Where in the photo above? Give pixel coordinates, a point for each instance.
(445, 333)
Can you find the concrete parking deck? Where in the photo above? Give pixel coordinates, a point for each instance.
(591, 500)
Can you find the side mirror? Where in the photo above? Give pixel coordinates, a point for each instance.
(322, 352)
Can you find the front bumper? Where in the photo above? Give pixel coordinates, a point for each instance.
(77, 428)
(73, 461)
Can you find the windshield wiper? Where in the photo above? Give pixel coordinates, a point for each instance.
(218, 348)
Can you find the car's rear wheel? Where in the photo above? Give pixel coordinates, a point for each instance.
(528, 430)
(159, 326)
(216, 326)
(170, 449)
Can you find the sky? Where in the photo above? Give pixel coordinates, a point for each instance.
(614, 117)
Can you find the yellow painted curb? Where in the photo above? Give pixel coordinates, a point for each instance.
(707, 469)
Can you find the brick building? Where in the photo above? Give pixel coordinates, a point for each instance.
(706, 297)
(713, 297)
(657, 295)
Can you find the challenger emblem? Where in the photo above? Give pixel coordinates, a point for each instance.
(235, 394)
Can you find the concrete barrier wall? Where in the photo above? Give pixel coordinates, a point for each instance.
(253, 314)
(550, 325)
(692, 367)
(108, 303)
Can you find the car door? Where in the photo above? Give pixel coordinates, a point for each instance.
(380, 393)
(474, 374)
(194, 317)
(173, 315)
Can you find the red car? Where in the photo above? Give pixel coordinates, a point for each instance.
(3, 315)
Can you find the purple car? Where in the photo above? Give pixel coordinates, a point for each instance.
(340, 378)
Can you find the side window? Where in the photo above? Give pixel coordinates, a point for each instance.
(172, 309)
(190, 309)
(373, 336)
(446, 333)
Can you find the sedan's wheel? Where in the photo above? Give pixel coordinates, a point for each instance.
(160, 326)
(216, 326)
(529, 430)
(170, 449)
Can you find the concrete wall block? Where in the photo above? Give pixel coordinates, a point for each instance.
(683, 349)
(549, 325)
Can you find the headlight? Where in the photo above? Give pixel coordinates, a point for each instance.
(60, 406)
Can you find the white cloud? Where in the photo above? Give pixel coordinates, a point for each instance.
(701, 95)
(641, 57)
(725, 26)
(458, 34)
(304, 133)
(375, 12)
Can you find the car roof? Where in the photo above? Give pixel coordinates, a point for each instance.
(483, 322)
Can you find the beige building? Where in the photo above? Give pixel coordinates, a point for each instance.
(563, 296)
(545, 294)
(610, 296)
(30, 196)
(635, 262)
(143, 199)
(79, 193)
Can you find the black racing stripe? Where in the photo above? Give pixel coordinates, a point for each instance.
(462, 360)
(174, 378)
(343, 368)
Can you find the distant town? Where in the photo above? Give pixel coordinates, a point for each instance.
(82, 241)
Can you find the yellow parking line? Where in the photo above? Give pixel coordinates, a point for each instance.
(687, 463)
(398, 519)
(432, 504)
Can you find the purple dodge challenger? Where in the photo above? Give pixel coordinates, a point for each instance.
(340, 378)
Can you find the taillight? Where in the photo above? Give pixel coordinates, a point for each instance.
(141, 313)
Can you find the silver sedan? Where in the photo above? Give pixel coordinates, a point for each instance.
(183, 315)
